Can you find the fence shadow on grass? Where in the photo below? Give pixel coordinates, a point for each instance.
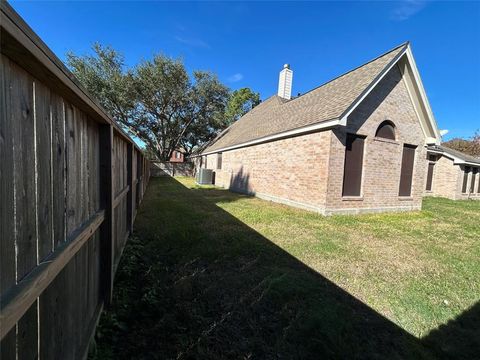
(197, 283)
(459, 338)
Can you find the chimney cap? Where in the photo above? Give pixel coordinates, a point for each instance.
(286, 66)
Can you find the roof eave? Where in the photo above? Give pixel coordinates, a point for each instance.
(456, 159)
(324, 125)
(372, 85)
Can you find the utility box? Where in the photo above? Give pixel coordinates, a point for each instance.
(204, 176)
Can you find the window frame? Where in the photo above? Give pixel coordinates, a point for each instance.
(473, 180)
(219, 161)
(404, 168)
(382, 125)
(359, 195)
(466, 171)
(432, 160)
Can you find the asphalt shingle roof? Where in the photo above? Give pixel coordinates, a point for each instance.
(456, 153)
(328, 101)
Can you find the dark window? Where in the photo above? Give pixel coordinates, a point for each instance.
(472, 184)
(219, 161)
(478, 188)
(406, 174)
(386, 130)
(465, 179)
(431, 166)
(352, 174)
(432, 157)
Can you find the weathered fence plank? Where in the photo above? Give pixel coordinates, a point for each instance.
(7, 225)
(23, 124)
(58, 168)
(43, 162)
(106, 189)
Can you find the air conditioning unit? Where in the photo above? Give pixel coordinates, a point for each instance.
(204, 176)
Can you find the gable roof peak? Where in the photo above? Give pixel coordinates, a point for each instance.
(325, 106)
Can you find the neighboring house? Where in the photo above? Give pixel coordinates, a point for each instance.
(354, 144)
(452, 174)
(177, 156)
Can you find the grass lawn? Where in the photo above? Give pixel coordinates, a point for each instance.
(211, 274)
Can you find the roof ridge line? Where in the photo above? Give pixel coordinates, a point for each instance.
(406, 43)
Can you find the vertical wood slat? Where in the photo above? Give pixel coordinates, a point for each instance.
(44, 162)
(58, 169)
(130, 199)
(7, 229)
(54, 302)
(23, 124)
(106, 191)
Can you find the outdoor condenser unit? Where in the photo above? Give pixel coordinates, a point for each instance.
(204, 176)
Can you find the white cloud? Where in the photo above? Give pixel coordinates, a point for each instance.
(193, 42)
(235, 77)
(407, 8)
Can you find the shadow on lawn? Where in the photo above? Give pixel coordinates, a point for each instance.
(459, 338)
(197, 283)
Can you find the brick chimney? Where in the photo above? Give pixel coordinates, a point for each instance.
(285, 82)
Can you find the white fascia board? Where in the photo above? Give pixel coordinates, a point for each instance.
(435, 151)
(462, 162)
(423, 94)
(430, 141)
(372, 86)
(285, 134)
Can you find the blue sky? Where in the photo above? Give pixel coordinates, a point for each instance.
(247, 43)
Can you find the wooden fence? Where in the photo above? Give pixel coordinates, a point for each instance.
(166, 168)
(71, 181)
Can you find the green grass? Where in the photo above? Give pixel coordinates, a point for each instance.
(211, 274)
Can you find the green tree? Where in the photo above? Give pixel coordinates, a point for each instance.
(156, 101)
(468, 146)
(104, 76)
(240, 102)
(175, 107)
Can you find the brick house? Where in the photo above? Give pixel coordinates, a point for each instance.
(452, 174)
(357, 143)
(177, 156)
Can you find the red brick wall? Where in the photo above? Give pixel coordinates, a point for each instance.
(292, 171)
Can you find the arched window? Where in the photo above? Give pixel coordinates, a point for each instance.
(386, 130)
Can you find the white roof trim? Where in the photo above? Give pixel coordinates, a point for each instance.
(423, 94)
(306, 129)
(372, 86)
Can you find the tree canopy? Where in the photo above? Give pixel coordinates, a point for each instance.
(469, 146)
(158, 101)
(240, 102)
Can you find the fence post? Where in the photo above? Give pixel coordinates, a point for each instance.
(130, 201)
(107, 196)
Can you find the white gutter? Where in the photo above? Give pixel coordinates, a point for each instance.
(306, 129)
